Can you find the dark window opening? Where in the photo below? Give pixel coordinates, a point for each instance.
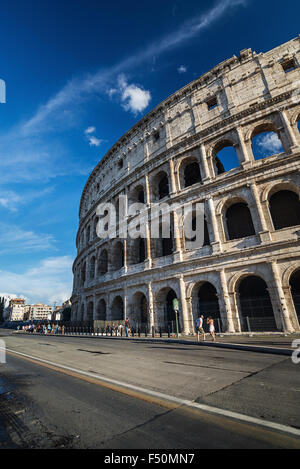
(285, 209)
(101, 311)
(239, 221)
(255, 299)
(219, 166)
(103, 263)
(208, 303)
(295, 290)
(141, 197)
(289, 65)
(192, 174)
(212, 103)
(163, 187)
(156, 136)
(142, 250)
(120, 164)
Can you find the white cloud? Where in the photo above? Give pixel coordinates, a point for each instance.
(182, 69)
(48, 282)
(14, 239)
(133, 97)
(90, 130)
(270, 143)
(13, 201)
(94, 142)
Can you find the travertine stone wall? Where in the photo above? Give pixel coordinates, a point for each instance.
(230, 104)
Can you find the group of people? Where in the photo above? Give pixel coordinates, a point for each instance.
(117, 329)
(44, 329)
(200, 327)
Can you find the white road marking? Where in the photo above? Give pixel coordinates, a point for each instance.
(173, 399)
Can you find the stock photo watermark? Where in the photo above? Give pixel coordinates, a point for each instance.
(2, 91)
(296, 353)
(2, 351)
(161, 221)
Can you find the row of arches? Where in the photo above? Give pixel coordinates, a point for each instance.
(284, 207)
(254, 302)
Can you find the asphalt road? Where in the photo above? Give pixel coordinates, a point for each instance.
(46, 406)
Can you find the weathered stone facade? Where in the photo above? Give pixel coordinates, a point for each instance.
(228, 106)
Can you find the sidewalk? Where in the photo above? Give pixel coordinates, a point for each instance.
(274, 343)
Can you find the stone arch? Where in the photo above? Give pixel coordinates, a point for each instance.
(90, 311)
(92, 267)
(117, 309)
(118, 255)
(205, 300)
(194, 220)
(234, 211)
(165, 314)
(254, 303)
(101, 310)
(139, 314)
(189, 172)
(160, 185)
(137, 194)
(270, 137)
(82, 312)
(136, 251)
(83, 273)
(294, 283)
(164, 244)
(224, 161)
(284, 206)
(271, 188)
(103, 262)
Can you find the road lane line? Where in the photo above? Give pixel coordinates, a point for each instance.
(136, 391)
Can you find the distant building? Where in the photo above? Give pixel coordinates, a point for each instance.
(16, 309)
(40, 312)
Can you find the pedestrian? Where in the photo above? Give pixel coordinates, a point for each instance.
(199, 328)
(127, 326)
(120, 329)
(63, 330)
(211, 324)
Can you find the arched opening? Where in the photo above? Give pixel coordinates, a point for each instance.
(95, 227)
(163, 185)
(256, 309)
(101, 310)
(92, 267)
(90, 311)
(239, 221)
(169, 311)
(298, 123)
(191, 174)
(103, 262)
(266, 142)
(208, 303)
(139, 314)
(81, 318)
(141, 250)
(225, 157)
(137, 195)
(88, 234)
(206, 238)
(83, 274)
(117, 309)
(164, 243)
(285, 209)
(295, 290)
(118, 257)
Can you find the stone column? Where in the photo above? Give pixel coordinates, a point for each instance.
(216, 244)
(287, 324)
(289, 132)
(265, 234)
(147, 186)
(185, 317)
(151, 310)
(125, 254)
(230, 323)
(244, 156)
(125, 303)
(148, 246)
(204, 164)
(172, 176)
(177, 239)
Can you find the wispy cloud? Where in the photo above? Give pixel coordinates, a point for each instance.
(182, 69)
(81, 88)
(12, 201)
(14, 239)
(90, 130)
(49, 281)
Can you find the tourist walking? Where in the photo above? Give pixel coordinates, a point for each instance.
(199, 328)
(211, 324)
(127, 326)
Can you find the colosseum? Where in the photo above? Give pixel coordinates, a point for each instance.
(230, 140)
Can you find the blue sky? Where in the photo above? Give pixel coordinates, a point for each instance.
(79, 74)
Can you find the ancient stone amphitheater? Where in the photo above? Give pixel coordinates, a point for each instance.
(229, 139)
